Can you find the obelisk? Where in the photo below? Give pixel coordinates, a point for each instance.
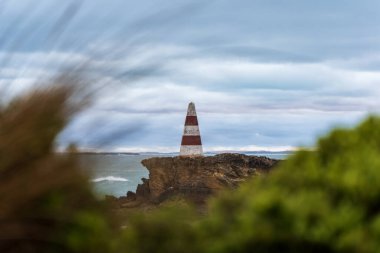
(191, 144)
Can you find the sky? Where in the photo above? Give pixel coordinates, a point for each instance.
(263, 74)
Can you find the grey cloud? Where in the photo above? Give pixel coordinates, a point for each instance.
(258, 54)
(262, 72)
(98, 129)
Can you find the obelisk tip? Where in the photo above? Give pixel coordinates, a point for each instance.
(191, 110)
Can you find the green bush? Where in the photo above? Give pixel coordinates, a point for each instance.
(170, 230)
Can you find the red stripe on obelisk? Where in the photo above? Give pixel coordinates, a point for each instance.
(191, 140)
(191, 121)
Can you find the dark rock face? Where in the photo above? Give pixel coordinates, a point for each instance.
(143, 190)
(197, 178)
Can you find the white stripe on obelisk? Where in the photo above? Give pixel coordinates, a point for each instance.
(191, 131)
(191, 150)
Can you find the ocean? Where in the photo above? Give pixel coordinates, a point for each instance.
(116, 174)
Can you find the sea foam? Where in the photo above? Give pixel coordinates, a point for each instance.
(109, 178)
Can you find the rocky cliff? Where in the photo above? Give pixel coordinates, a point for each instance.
(196, 178)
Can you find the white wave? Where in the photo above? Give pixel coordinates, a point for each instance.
(109, 178)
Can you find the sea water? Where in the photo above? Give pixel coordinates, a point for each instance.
(113, 174)
(116, 174)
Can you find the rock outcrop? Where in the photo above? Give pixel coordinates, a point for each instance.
(199, 177)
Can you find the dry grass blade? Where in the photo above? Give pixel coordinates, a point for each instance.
(41, 192)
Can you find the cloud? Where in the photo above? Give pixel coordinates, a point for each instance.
(236, 106)
(262, 73)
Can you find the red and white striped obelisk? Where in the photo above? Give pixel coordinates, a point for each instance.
(191, 140)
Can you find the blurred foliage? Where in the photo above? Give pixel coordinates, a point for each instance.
(327, 200)
(169, 230)
(72, 148)
(46, 203)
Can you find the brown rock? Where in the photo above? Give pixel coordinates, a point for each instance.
(197, 178)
